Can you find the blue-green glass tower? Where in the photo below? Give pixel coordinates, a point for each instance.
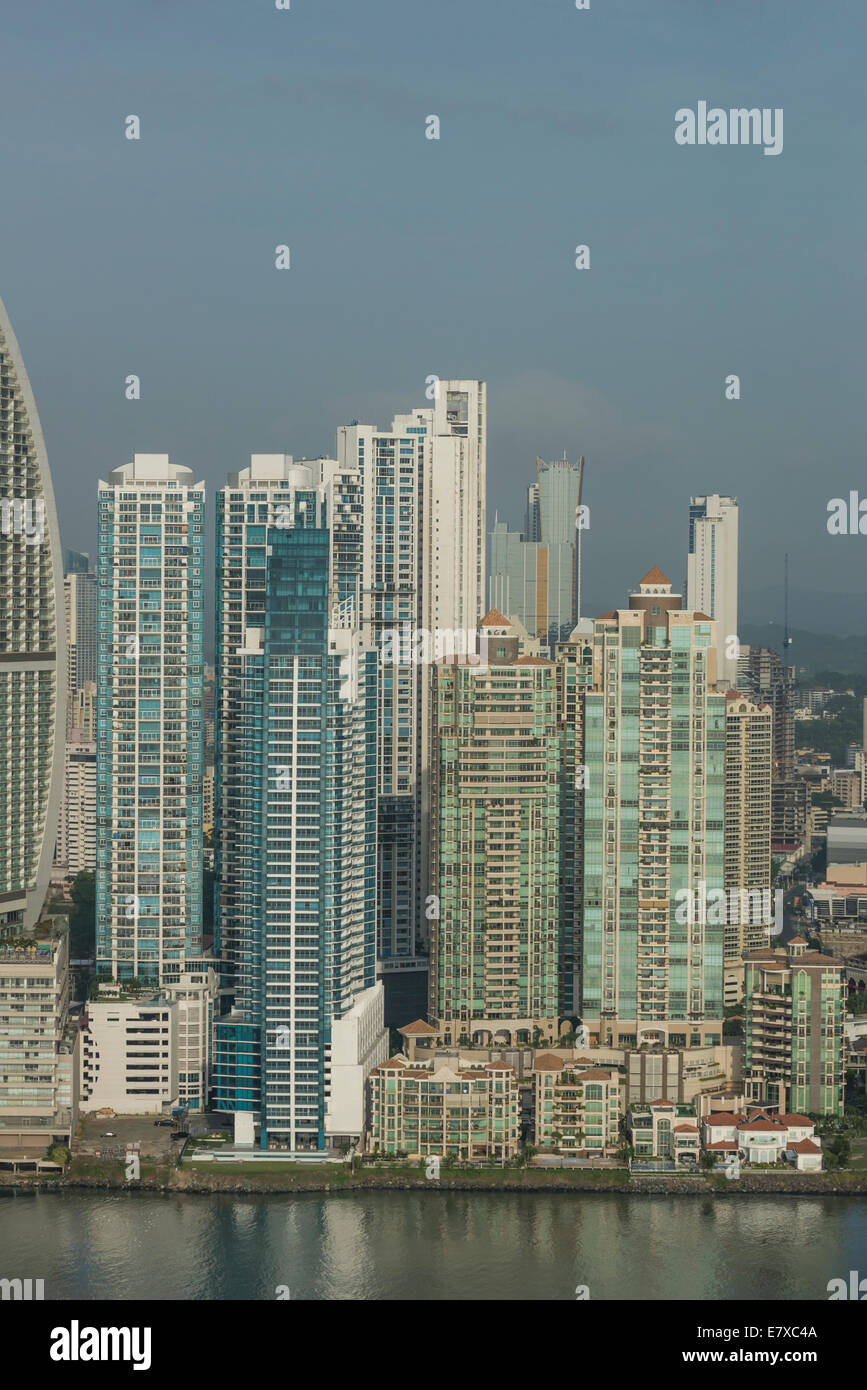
(295, 803)
(654, 749)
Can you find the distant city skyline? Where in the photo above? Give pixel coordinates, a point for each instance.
(694, 253)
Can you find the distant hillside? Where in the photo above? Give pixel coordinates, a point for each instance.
(811, 650)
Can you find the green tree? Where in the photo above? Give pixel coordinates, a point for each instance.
(838, 1151)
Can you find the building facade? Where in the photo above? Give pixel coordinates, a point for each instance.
(712, 573)
(654, 731)
(444, 1108)
(76, 840)
(80, 594)
(662, 1129)
(38, 1080)
(32, 650)
(149, 720)
(748, 771)
(129, 1054)
(535, 574)
(767, 680)
(578, 1107)
(793, 1030)
(574, 675)
(295, 802)
(423, 564)
(495, 944)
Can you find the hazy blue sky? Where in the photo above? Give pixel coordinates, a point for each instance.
(456, 256)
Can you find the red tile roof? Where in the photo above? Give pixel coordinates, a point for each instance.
(419, 1026)
(494, 618)
(391, 1063)
(805, 1146)
(761, 1124)
(655, 576)
(549, 1062)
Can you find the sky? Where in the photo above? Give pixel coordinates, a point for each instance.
(456, 257)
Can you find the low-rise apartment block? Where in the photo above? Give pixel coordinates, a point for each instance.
(578, 1106)
(446, 1108)
(37, 1042)
(662, 1129)
(129, 1054)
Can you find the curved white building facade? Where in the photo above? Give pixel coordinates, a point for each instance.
(32, 649)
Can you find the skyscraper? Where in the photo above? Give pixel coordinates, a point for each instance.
(295, 808)
(149, 720)
(423, 564)
(75, 561)
(654, 731)
(76, 837)
(747, 818)
(535, 574)
(273, 493)
(765, 677)
(495, 945)
(712, 573)
(574, 668)
(32, 649)
(80, 602)
(793, 1029)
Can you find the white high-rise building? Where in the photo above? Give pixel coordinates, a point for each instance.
(32, 650)
(712, 574)
(149, 720)
(423, 564)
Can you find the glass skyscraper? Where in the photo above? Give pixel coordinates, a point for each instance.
(32, 649)
(654, 741)
(149, 720)
(295, 800)
(535, 574)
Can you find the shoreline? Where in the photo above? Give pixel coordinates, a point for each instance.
(186, 1182)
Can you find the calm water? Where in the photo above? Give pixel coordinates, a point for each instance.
(403, 1245)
